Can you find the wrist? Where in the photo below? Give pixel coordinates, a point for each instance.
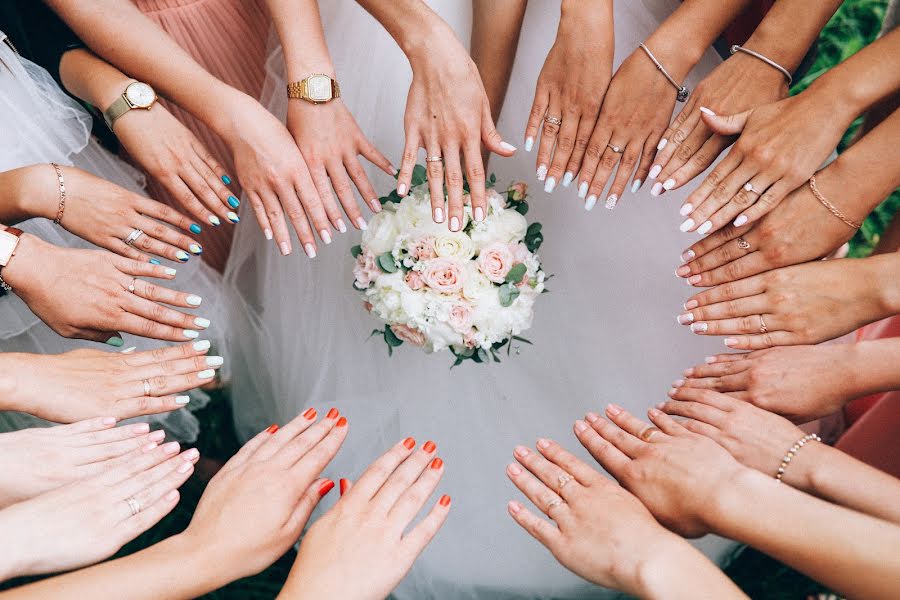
(24, 262)
(844, 99)
(201, 570)
(884, 279)
(730, 501)
(12, 365)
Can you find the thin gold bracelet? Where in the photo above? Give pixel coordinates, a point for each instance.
(62, 194)
(831, 207)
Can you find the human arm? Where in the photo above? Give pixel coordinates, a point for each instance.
(496, 25)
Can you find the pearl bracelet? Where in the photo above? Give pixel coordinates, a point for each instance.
(794, 450)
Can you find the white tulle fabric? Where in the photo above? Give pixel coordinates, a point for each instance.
(606, 332)
(39, 123)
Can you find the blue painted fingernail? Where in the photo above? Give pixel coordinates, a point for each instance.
(233, 202)
(195, 248)
(153, 261)
(115, 341)
(182, 256)
(226, 179)
(233, 217)
(195, 228)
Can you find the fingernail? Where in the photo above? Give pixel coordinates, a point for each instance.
(445, 500)
(342, 227)
(709, 360)
(660, 405)
(214, 361)
(201, 345)
(171, 496)
(309, 414)
(612, 201)
(153, 261)
(741, 220)
(688, 224)
(514, 507)
(529, 143)
(669, 184)
(678, 383)
(706, 111)
(657, 189)
(232, 216)
(522, 451)
(731, 342)
(541, 172)
(662, 144)
(342, 422)
(206, 374)
(699, 327)
(170, 448)
(393, 170)
(214, 220)
(590, 202)
(580, 426)
(157, 436)
(568, 176)
(437, 463)
(693, 280)
(285, 249)
(654, 412)
(326, 487)
(409, 443)
(310, 250)
(514, 469)
(439, 215)
(182, 256)
(685, 318)
(195, 228)
(170, 271)
(361, 223)
(550, 185)
(136, 428)
(479, 214)
(543, 443)
(184, 467)
(148, 447)
(613, 409)
(429, 446)
(343, 486)
(636, 186)
(201, 322)
(375, 205)
(194, 300)
(326, 237)
(582, 189)
(683, 271)
(233, 202)
(128, 350)
(226, 179)
(686, 210)
(704, 229)
(190, 455)
(592, 417)
(688, 255)
(115, 341)
(691, 304)
(182, 400)
(401, 189)
(507, 146)
(268, 234)
(332, 413)
(654, 171)
(687, 373)
(454, 224)
(190, 334)
(272, 428)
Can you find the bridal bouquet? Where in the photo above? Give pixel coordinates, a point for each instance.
(471, 292)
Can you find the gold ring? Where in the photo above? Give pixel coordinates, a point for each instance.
(553, 120)
(647, 434)
(563, 479)
(434, 159)
(762, 325)
(743, 244)
(616, 149)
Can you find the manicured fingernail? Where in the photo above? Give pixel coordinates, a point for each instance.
(706, 111)
(393, 170)
(636, 186)
(678, 383)
(191, 454)
(195, 228)
(310, 250)
(342, 227)
(741, 220)
(694, 279)
(507, 146)
(206, 374)
(669, 184)
(309, 414)
(226, 179)
(685, 318)
(514, 469)
(691, 304)
(190, 334)
(148, 447)
(654, 171)
(730, 342)
(662, 144)
(342, 486)
(401, 189)
(580, 426)
(550, 184)
(201, 345)
(171, 448)
(272, 428)
(342, 422)
(704, 229)
(683, 271)
(437, 463)
(438, 215)
(153, 261)
(171, 496)
(590, 202)
(660, 405)
(194, 300)
(182, 256)
(541, 172)
(688, 255)
(233, 202)
(136, 428)
(686, 210)
(687, 225)
(657, 189)
(128, 350)
(592, 417)
(326, 237)
(375, 205)
(429, 446)
(326, 487)
(409, 443)
(170, 271)
(568, 176)
(115, 341)
(445, 500)
(268, 234)
(582, 190)
(332, 413)
(157, 436)
(613, 409)
(612, 201)
(522, 451)
(514, 507)
(709, 360)
(543, 443)
(454, 224)
(699, 327)
(654, 413)
(201, 322)
(529, 143)
(195, 248)
(214, 361)
(285, 248)
(214, 220)
(182, 400)
(687, 373)
(361, 224)
(232, 216)
(479, 214)
(184, 467)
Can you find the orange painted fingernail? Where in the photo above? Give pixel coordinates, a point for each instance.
(310, 414)
(445, 500)
(429, 446)
(272, 428)
(341, 422)
(344, 484)
(409, 443)
(326, 487)
(437, 463)
(333, 413)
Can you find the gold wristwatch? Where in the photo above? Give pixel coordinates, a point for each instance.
(136, 95)
(317, 89)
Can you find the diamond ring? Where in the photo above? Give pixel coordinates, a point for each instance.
(553, 120)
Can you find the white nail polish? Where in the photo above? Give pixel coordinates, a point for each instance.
(201, 322)
(529, 143)
(568, 176)
(454, 224)
(669, 184)
(394, 170)
(129, 350)
(662, 144)
(636, 186)
(194, 300)
(550, 185)
(310, 250)
(741, 220)
(590, 202)
(268, 234)
(342, 227)
(654, 171)
(685, 318)
(285, 249)
(479, 214)
(688, 224)
(439, 215)
(507, 146)
(171, 271)
(214, 220)
(704, 229)
(687, 255)
(194, 248)
(582, 189)
(686, 210)
(190, 334)
(182, 400)
(612, 201)
(541, 172)
(232, 216)
(657, 189)
(201, 345)
(361, 223)
(706, 111)
(326, 237)
(699, 327)
(401, 189)
(215, 361)
(207, 374)
(375, 205)
(182, 255)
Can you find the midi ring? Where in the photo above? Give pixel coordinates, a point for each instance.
(554, 502)
(762, 325)
(748, 187)
(553, 120)
(134, 505)
(146, 387)
(648, 433)
(133, 236)
(563, 479)
(743, 244)
(434, 159)
(615, 148)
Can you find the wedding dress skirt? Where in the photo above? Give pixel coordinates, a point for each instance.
(39, 123)
(605, 333)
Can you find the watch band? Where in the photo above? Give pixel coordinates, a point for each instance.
(116, 110)
(298, 90)
(15, 231)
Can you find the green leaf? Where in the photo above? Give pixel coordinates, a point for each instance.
(521, 208)
(392, 197)
(521, 339)
(356, 251)
(508, 294)
(533, 242)
(419, 176)
(391, 338)
(533, 229)
(386, 263)
(516, 273)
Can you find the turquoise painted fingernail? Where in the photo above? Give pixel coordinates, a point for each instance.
(233, 202)
(115, 341)
(153, 261)
(233, 217)
(195, 228)
(226, 179)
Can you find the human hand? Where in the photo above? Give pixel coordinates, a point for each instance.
(275, 478)
(801, 383)
(89, 520)
(571, 87)
(678, 475)
(85, 294)
(358, 549)
(448, 114)
(330, 141)
(84, 383)
(784, 307)
(35, 461)
(172, 154)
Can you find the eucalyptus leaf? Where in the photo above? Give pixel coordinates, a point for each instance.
(516, 273)
(419, 175)
(521, 208)
(508, 294)
(356, 251)
(391, 338)
(386, 263)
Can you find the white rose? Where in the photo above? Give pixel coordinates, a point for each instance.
(393, 300)
(456, 245)
(440, 335)
(511, 227)
(381, 234)
(476, 284)
(414, 213)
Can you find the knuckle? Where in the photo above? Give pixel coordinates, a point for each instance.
(609, 160)
(593, 152)
(733, 271)
(679, 136)
(684, 153)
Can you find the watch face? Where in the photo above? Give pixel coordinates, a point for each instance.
(140, 94)
(318, 88)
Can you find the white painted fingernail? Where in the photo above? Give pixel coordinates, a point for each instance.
(507, 146)
(438, 215)
(195, 248)
(171, 271)
(686, 209)
(182, 400)
(669, 184)
(206, 374)
(194, 300)
(361, 223)
(704, 229)
(128, 350)
(590, 202)
(454, 224)
(479, 214)
(529, 143)
(401, 189)
(268, 234)
(706, 111)
(342, 227)
(699, 327)
(657, 189)
(232, 216)
(201, 345)
(190, 334)
(375, 205)
(182, 255)
(568, 176)
(214, 220)
(215, 361)
(541, 172)
(201, 322)
(687, 225)
(550, 184)
(741, 220)
(326, 237)
(685, 318)
(654, 171)
(393, 170)
(285, 249)
(687, 255)
(662, 144)
(636, 186)
(310, 250)
(612, 201)
(582, 189)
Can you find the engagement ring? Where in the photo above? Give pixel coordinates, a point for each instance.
(563, 478)
(615, 148)
(434, 159)
(134, 505)
(743, 244)
(133, 236)
(648, 433)
(553, 120)
(762, 325)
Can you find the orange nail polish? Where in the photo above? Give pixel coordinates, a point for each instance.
(326, 487)
(437, 463)
(409, 443)
(429, 446)
(445, 500)
(272, 428)
(344, 484)
(341, 422)
(333, 413)
(309, 414)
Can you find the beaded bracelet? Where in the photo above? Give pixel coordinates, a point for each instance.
(785, 461)
(62, 194)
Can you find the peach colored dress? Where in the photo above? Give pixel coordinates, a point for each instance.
(228, 38)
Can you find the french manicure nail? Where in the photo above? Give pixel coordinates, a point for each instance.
(731, 342)
(170, 271)
(361, 223)
(194, 300)
(195, 228)
(636, 186)
(226, 179)
(182, 400)
(115, 341)
(541, 172)
(687, 225)
(686, 210)
(454, 224)
(694, 279)
(685, 319)
(691, 305)
(128, 350)
(590, 202)
(342, 227)
(741, 220)
(583, 189)
(479, 214)
(190, 334)
(201, 322)
(704, 229)
(182, 256)
(568, 176)
(612, 201)
(654, 171)
(657, 189)
(699, 327)
(706, 111)
(310, 250)
(550, 184)
(401, 189)
(285, 248)
(233, 202)
(613, 409)
(206, 374)
(507, 146)
(232, 216)
(439, 215)
(214, 361)
(662, 144)
(326, 237)
(214, 220)
(529, 143)
(201, 345)
(268, 234)
(669, 184)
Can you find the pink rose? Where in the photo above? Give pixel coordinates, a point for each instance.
(520, 252)
(460, 318)
(366, 270)
(517, 191)
(423, 248)
(469, 339)
(414, 280)
(443, 275)
(409, 334)
(368, 306)
(495, 261)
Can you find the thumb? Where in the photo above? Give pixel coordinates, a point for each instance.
(725, 124)
(489, 135)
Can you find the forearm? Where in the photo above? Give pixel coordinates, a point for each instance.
(873, 366)
(678, 570)
(396, 17)
(496, 25)
(829, 543)
(28, 192)
(789, 29)
(92, 79)
(299, 28)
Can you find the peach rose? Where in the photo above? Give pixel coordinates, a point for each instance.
(495, 261)
(367, 306)
(517, 191)
(443, 275)
(460, 318)
(409, 334)
(423, 248)
(469, 339)
(414, 280)
(366, 270)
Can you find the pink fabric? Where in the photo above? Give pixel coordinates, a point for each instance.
(228, 38)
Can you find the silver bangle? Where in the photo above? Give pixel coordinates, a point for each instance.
(736, 48)
(683, 92)
(786, 459)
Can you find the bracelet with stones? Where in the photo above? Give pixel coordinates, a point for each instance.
(785, 461)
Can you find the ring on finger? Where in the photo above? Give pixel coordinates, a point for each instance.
(134, 505)
(563, 479)
(133, 236)
(616, 149)
(743, 244)
(432, 159)
(762, 325)
(648, 433)
(748, 187)
(146, 387)
(554, 502)
(553, 120)
(131, 285)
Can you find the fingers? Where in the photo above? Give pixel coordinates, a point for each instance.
(665, 423)
(582, 136)
(87, 426)
(378, 472)
(761, 341)
(726, 124)
(160, 240)
(490, 137)
(167, 353)
(307, 503)
(550, 474)
(299, 424)
(275, 216)
(157, 482)
(744, 198)
(723, 402)
(413, 498)
(207, 167)
(724, 383)
(151, 515)
(159, 294)
(610, 458)
(767, 201)
(154, 311)
(595, 149)
(549, 131)
(627, 422)
(201, 190)
(537, 114)
(142, 269)
(249, 449)
(262, 218)
(728, 291)
(748, 266)
(101, 452)
(435, 172)
(608, 161)
(139, 463)
(698, 318)
(312, 460)
(309, 214)
(188, 201)
(406, 474)
(565, 144)
(567, 461)
(623, 173)
(679, 140)
(699, 161)
(731, 246)
(454, 175)
(343, 187)
(421, 535)
(711, 182)
(475, 176)
(747, 324)
(541, 530)
(161, 212)
(628, 444)
(145, 327)
(408, 163)
(361, 181)
(548, 501)
(695, 410)
(698, 218)
(646, 160)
